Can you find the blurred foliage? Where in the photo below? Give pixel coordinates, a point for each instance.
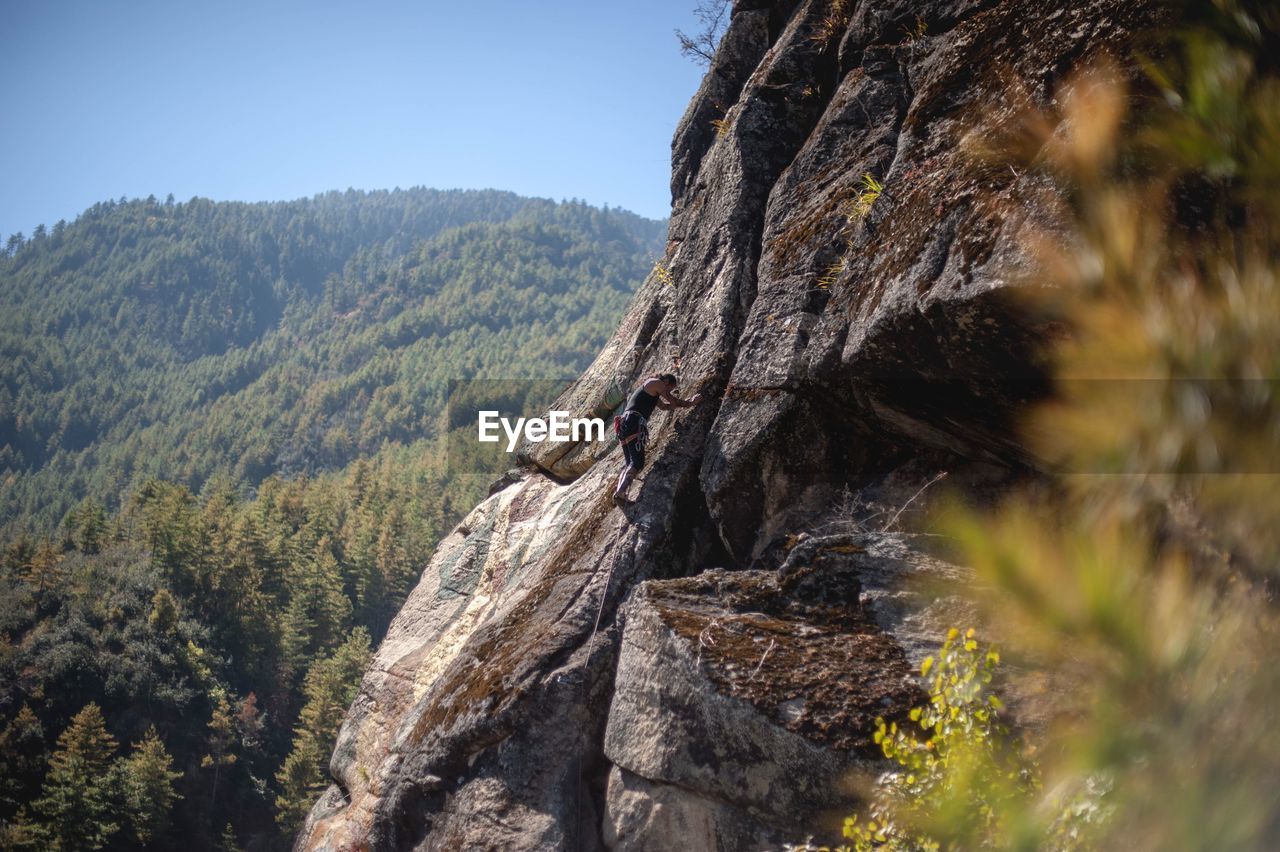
(1133, 588)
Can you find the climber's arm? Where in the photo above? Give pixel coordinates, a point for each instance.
(669, 401)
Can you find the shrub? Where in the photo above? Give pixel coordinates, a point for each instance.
(958, 775)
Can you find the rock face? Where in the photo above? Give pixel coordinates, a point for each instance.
(740, 703)
(568, 674)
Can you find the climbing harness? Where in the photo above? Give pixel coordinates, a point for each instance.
(642, 430)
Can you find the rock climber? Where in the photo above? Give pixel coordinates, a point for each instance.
(653, 392)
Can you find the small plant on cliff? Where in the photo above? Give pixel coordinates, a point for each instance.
(663, 274)
(868, 193)
(916, 32)
(831, 275)
(833, 22)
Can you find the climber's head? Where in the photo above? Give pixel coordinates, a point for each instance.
(670, 379)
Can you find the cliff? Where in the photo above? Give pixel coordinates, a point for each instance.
(568, 674)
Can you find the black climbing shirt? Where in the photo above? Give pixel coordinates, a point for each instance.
(642, 402)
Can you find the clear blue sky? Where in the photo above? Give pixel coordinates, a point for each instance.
(268, 100)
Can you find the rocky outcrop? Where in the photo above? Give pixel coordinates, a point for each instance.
(568, 674)
(742, 702)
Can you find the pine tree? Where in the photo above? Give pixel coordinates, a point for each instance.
(330, 687)
(250, 723)
(89, 526)
(20, 833)
(45, 570)
(222, 737)
(394, 563)
(147, 784)
(227, 842)
(78, 803)
(320, 593)
(171, 529)
(22, 757)
(296, 627)
(164, 613)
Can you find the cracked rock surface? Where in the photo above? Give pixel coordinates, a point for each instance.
(570, 675)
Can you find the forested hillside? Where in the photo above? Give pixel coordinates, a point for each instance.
(222, 474)
(168, 340)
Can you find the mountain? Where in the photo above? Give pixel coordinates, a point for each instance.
(223, 433)
(910, 242)
(199, 339)
(835, 283)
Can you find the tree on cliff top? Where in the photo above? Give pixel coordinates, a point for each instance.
(712, 18)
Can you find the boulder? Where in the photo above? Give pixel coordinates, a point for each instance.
(735, 691)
